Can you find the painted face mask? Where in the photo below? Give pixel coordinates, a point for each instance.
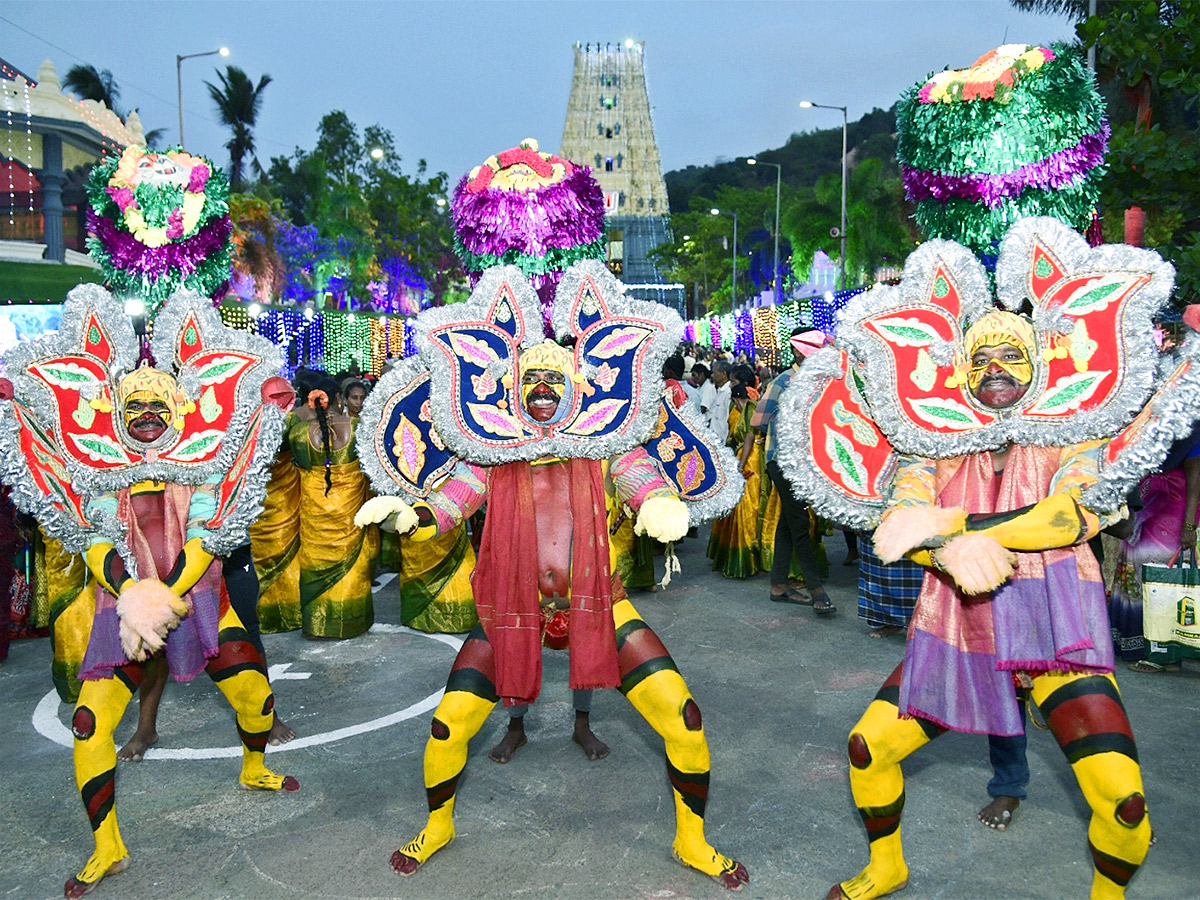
(545, 372)
(149, 406)
(998, 347)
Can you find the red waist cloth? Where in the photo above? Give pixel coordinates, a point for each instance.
(505, 582)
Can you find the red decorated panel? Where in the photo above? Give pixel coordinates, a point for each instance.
(1083, 364)
(96, 340)
(47, 467)
(220, 373)
(230, 488)
(86, 428)
(189, 341)
(930, 396)
(845, 444)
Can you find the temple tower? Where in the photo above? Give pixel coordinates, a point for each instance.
(609, 128)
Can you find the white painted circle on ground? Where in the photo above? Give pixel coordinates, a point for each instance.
(47, 724)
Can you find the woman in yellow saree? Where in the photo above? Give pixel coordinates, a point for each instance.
(337, 559)
(734, 544)
(435, 582)
(275, 541)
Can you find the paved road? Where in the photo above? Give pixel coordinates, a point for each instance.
(779, 689)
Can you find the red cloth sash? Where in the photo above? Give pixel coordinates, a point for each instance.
(505, 582)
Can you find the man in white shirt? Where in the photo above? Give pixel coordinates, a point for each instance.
(706, 391)
(718, 411)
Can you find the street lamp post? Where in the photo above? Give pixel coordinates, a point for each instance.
(778, 182)
(808, 104)
(224, 51)
(719, 212)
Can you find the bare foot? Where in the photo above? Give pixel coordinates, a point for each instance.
(592, 746)
(999, 813)
(887, 630)
(77, 886)
(135, 750)
(280, 733)
(503, 751)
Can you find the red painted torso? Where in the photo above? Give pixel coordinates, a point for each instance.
(149, 507)
(555, 525)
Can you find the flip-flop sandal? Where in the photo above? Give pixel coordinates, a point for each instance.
(822, 606)
(791, 595)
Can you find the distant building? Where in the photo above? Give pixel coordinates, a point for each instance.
(48, 143)
(609, 128)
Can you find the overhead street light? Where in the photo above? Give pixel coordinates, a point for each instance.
(223, 51)
(719, 212)
(778, 183)
(808, 104)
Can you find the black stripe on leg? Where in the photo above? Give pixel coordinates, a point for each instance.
(474, 682)
(98, 795)
(691, 787)
(1074, 690)
(440, 794)
(645, 670)
(1112, 867)
(880, 821)
(630, 627)
(1106, 742)
(254, 740)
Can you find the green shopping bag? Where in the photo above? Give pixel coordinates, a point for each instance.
(1170, 597)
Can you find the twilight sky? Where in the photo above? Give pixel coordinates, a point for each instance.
(457, 81)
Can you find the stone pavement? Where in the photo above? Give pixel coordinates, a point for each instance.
(779, 689)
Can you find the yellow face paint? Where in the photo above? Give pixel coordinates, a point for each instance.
(146, 394)
(1020, 369)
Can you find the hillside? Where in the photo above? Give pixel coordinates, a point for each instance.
(805, 157)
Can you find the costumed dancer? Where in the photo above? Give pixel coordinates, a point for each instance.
(153, 473)
(545, 436)
(981, 447)
(337, 558)
(1018, 397)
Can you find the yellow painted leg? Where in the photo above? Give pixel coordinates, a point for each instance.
(238, 672)
(878, 743)
(654, 686)
(99, 710)
(469, 698)
(458, 718)
(1088, 720)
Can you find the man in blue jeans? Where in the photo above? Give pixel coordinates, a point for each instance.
(1010, 774)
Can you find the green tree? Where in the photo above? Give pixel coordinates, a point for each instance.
(1152, 51)
(238, 103)
(353, 188)
(89, 84)
(1148, 68)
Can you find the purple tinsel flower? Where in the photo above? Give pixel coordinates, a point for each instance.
(1056, 171)
(563, 215)
(198, 179)
(128, 253)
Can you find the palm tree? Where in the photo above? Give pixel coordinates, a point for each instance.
(90, 84)
(238, 102)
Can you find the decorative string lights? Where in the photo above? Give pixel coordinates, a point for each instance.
(28, 144)
(8, 154)
(765, 329)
